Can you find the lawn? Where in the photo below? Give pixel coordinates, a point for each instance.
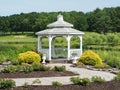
(107, 46)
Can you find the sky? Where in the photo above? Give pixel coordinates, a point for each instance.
(10, 7)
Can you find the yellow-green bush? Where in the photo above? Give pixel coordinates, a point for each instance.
(103, 66)
(90, 58)
(29, 57)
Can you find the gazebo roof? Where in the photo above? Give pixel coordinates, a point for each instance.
(60, 31)
(60, 27)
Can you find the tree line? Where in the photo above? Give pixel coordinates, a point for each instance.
(100, 20)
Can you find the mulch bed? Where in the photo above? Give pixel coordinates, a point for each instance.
(36, 74)
(112, 85)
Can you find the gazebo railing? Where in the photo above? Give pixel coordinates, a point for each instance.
(46, 51)
(76, 52)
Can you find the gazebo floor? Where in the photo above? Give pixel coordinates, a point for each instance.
(60, 60)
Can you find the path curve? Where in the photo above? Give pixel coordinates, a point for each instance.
(66, 79)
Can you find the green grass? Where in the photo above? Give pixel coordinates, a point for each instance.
(12, 45)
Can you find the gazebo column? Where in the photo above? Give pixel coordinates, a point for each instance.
(68, 40)
(50, 41)
(80, 44)
(52, 47)
(39, 43)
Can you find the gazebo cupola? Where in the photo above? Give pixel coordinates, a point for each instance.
(59, 28)
(60, 23)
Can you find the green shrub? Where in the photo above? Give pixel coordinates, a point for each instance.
(79, 81)
(90, 58)
(85, 81)
(18, 68)
(27, 68)
(56, 83)
(117, 78)
(80, 64)
(29, 57)
(44, 68)
(36, 66)
(36, 81)
(26, 85)
(75, 80)
(102, 66)
(9, 69)
(1, 61)
(14, 62)
(6, 83)
(98, 79)
(59, 68)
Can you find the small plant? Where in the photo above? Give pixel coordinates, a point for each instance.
(9, 69)
(85, 81)
(80, 64)
(98, 79)
(26, 85)
(75, 80)
(102, 66)
(44, 68)
(14, 62)
(6, 83)
(56, 83)
(79, 81)
(36, 81)
(18, 67)
(117, 78)
(36, 66)
(27, 68)
(59, 68)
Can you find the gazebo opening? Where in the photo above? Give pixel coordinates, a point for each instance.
(75, 42)
(44, 43)
(60, 48)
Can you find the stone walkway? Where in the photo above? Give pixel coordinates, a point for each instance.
(66, 79)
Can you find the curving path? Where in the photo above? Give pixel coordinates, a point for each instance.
(66, 79)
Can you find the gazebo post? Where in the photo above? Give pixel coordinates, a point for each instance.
(52, 47)
(39, 43)
(68, 40)
(50, 40)
(80, 44)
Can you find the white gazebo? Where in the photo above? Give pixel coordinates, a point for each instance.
(56, 29)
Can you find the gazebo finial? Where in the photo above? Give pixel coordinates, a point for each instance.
(60, 17)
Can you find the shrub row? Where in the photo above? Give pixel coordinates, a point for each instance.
(25, 67)
(86, 81)
(9, 83)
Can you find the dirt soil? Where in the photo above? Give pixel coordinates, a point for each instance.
(112, 85)
(36, 74)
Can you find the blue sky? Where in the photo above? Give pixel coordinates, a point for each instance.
(9, 7)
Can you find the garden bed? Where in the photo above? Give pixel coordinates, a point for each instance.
(36, 74)
(112, 85)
